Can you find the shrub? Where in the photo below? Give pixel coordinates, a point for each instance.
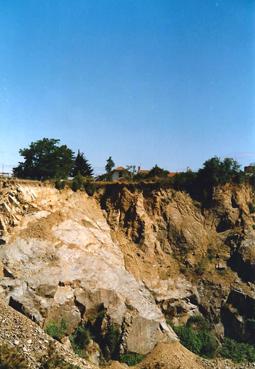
(199, 322)
(201, 340)
(79, 340)
(131, 358)
(77, 182)
(10, 358)
(90, 188)
(189, 338)
(60, 184)
(237, 351)
(56, 330)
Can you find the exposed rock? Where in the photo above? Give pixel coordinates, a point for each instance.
(65, 265)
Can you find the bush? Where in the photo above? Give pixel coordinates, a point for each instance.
(79, 340)
(131, 358)
(199, 322)
(90, 188)
(77, 182)
(200, 340)
(189, 338)
(237, 351)
(10, 358)
(56, 330)
(60, 184)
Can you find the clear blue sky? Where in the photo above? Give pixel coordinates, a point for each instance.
(170, 82)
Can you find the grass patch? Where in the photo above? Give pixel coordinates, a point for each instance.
(131, 358)
(56, 330)
(236, 351)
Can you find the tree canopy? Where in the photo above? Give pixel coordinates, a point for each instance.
(109, 165)
(82, 166)
(45, 159)
(156, 171)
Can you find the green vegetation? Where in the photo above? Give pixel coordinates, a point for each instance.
(82, 166)
(60, 184)
(11, 358)
(131, 358)
(90, 188)
(77, 182)
(157, 172)
(56, 330)
(80, 340)
(109, 165)
(45, 159)
(197, 337)
(214, 172)
(236, 351)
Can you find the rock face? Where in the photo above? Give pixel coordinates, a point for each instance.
(137, 253)
(60, 262)
(189, 257)
(18, 331)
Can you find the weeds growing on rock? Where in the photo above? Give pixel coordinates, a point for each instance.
(197, 337)
(80, 340)
(237, 351)
(56, 330)
(131, 358)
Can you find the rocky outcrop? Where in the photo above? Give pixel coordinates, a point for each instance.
(20, 332)
(60, 262)
(133, 255)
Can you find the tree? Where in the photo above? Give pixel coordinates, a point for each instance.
(109, 165)
(82, 166)
(45, 159)
(157, 172)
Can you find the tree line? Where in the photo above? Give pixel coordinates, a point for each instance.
(48, 159)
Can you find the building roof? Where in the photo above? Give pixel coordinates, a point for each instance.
(120, 169)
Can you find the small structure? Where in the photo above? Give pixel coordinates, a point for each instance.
(171, 174)
(120, 173)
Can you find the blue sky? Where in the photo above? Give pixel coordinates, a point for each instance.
(147, 81)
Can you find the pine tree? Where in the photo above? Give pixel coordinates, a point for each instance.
(82, 166)
(109, 165)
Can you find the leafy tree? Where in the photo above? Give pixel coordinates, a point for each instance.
(157, 172)
(216, 172)
(82, 166)
(109, 165)
(45, 159)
